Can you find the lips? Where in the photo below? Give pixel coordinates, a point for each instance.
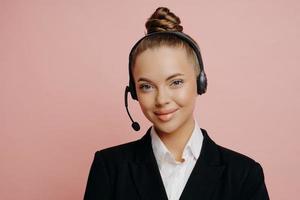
(165, 115)
(165, 112)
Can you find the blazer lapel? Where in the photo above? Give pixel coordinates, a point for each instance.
(145, 171)
(206, 175)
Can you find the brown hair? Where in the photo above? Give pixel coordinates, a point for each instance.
(164, 20)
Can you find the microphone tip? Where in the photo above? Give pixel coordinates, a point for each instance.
(135, 126)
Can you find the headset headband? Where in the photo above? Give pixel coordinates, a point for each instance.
(180, 35)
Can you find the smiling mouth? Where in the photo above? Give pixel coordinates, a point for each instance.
(165, 116)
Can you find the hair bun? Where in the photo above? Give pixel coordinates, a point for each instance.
(163, 20)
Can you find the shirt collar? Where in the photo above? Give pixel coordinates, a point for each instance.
(193, 145)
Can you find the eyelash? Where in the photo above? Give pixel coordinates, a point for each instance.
(179, 80)
(179, 83)
(142, 86)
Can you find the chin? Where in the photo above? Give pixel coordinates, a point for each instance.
(166, 127)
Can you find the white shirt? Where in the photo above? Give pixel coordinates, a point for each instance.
(174, 173)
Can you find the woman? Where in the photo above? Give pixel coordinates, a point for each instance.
(175, 158)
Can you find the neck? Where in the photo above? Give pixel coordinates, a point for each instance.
(176, 141)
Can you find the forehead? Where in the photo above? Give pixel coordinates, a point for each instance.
(162, 62)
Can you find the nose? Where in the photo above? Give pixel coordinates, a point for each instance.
(162, 97)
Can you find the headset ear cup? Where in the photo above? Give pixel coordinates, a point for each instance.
(201, 83)
(133, 94)
(132, 91)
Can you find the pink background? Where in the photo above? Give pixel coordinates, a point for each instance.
(63, 70)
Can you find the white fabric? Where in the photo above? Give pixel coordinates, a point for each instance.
(175, 174)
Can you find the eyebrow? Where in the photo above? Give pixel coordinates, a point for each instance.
(170, 77)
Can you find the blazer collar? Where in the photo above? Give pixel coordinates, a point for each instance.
(204, 177)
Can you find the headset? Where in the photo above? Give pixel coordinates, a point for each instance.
(201, 78)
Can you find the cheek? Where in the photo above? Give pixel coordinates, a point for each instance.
(146, 106)
(145, 102)
(187, 96)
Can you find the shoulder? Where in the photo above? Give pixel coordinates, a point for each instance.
(236, 160)
(240, 166)
(119, 153)
(233, 157)
(244, 171)
(228, 157)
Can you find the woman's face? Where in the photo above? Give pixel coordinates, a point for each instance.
(165, 81)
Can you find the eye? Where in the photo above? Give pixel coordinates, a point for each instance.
(177, 83)
(145, 87)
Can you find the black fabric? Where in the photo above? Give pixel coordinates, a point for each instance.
(130, 171)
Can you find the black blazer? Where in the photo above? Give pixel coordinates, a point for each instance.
(130, 171)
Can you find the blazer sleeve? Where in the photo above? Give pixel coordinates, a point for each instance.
(254, 187)
(98, 183)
